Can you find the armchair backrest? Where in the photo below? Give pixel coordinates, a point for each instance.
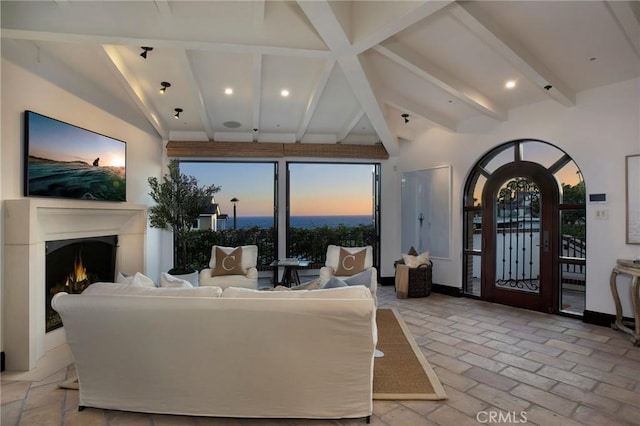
(333, 255)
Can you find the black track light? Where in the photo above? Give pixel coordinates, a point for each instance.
(406, 117)
(145, 50)
(164, 85)
(178, 111)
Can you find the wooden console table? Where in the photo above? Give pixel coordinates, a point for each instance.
(628, 268)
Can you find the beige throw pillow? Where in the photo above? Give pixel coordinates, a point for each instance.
(350, 263)
(228, 264)
(311, 285)
(169, 281)
(415, 261)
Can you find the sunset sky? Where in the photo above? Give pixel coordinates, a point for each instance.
(55, 140)
(316, 189)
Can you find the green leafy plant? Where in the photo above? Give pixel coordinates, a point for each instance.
(179, 201)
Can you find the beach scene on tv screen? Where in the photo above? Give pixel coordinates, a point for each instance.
(66, 161)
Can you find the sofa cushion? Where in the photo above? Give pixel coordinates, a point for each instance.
(228, 263)
(123, 278)
(139, 279)
(169, 281)
(350, 263)
(310, 285)
(334, 283)
(114, 289)
(363, 278)
(249, 255)
(357, 292)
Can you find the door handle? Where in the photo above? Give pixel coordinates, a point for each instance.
(545, 241)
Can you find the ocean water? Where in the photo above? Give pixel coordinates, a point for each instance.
(301, 221)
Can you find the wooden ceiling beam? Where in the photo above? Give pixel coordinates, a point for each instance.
(186, 149)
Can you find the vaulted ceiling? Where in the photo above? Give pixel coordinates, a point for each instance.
(351, 68)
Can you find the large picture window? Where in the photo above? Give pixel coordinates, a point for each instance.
(330, 203)
(241, 213)
(324, 203)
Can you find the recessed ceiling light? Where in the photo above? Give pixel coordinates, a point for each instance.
(510, 84)
(284, 93)
(228, 91)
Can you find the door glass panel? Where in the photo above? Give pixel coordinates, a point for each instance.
(504, 157)
(472, 274)
(473, 230)
(573, 242)
(573, 246)
(541, 153)
(517, 237)
(477, 191)
(571, 176)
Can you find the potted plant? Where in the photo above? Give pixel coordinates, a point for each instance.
(179, 201)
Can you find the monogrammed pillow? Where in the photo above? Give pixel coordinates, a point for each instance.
(228, 263)
(249, 255)
(350, 263)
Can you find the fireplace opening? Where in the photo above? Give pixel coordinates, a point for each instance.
(72, 265)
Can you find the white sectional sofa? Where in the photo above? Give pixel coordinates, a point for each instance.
(233, 353)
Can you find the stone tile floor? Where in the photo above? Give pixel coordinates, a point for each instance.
(499, 365)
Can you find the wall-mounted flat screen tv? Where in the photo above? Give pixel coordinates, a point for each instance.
(66, 161)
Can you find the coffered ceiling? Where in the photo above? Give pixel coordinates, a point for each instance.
(351, 68)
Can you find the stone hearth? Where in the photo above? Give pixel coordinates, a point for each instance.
(28, 224)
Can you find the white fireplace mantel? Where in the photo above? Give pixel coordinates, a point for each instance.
(28, 224)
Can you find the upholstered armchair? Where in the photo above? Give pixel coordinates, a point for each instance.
(231, 267)
(346, 263)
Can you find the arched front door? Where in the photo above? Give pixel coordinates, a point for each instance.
(525, 229)
(520, 237)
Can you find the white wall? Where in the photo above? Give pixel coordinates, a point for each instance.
(597, 133)
(22, 90)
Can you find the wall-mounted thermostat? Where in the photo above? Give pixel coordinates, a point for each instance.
(597, 198)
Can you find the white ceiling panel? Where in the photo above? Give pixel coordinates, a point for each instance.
(337, 102)
(295, 74)
(214, 72)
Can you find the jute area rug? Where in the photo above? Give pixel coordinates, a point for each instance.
(403, 372)
(69, 384)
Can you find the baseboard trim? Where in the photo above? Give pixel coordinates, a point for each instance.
(589, 317)
(605, 320)
(446, 289)
(387, 281)
(436, 288)
(2, 365)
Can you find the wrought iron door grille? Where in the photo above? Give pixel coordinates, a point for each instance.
(518, 222)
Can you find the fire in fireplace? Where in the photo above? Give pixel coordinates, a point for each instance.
(72, 265)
